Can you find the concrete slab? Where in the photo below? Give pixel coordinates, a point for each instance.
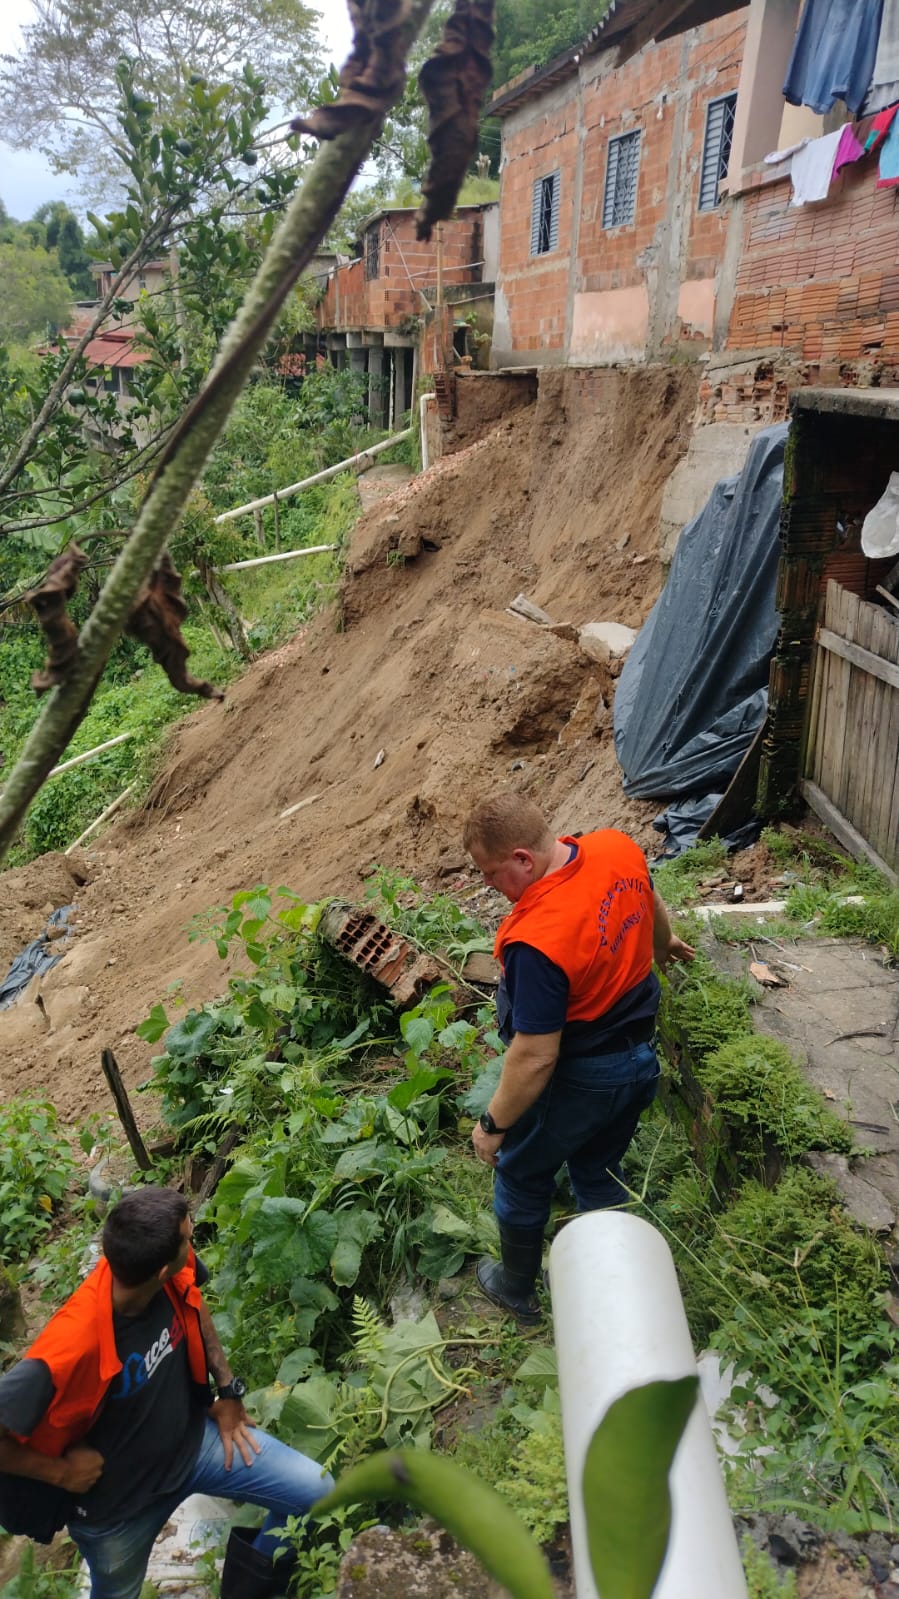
(840, 1017)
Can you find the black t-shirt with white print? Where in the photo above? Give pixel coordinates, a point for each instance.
(151, 1424)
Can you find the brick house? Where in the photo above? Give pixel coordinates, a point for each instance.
(612, 238)
(379, 308)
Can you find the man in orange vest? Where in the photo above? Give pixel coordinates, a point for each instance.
(109, 1422)
(577, 1011)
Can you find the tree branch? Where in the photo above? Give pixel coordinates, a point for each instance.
(310, 214)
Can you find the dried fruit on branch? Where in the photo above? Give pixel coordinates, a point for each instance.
(156, 621)
(50, 602)
(454, 82)
(372, 78)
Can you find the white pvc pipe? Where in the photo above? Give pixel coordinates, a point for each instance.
(317, 477)
(78, 760)
(425, 457)
(285, 555)
(103, 817)
(619, 1323)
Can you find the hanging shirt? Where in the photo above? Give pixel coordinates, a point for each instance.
(848, 150)
(812, 168)
(880, 127)
(833, 54)
(889, 158)
(884, 90)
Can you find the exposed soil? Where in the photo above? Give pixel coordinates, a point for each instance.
(420, 660)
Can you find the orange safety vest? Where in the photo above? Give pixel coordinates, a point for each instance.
(593, 918)
(78, 1345)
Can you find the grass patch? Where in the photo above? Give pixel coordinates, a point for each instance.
(756, 1083)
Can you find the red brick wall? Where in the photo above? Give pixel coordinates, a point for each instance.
(536, 287)
(822, 281)
(406, 265)
(664, 91)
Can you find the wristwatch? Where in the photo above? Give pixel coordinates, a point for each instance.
(489, 1125)
(235, 1389)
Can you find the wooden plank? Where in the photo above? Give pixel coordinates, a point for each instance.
(842, 829)
(810, 753)
(832, 724)
(123, 1106)
(736, 803)
(867, 741)
(845, 792)
(888, 779)
(887, 671)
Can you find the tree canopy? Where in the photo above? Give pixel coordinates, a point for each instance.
(59, 92)
(34, 295)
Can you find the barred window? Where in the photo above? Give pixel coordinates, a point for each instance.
(719, 136)
(545, 214)
(619, 204)
(373, 252)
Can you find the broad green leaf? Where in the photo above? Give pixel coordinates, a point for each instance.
(189, 1037)
(483, 1088)
(355, 1229)
(626, 1495)
(445, 1222)
(362, 1160)
(418, 1032)
(539, 1366)
(296, 1365)
(403, 1095)
(154, 1026)
(472, 1512)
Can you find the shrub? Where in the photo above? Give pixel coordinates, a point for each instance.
(756, 1082)
(35, 1168)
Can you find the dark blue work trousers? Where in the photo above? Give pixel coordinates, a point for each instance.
(584, 1119)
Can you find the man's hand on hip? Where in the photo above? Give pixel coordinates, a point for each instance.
(235, 1428)
(486, 1145)
(81, 1467)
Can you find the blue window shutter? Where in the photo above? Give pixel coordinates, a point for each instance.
(554, 219)
(535, 217)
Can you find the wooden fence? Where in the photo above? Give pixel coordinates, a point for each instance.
(851, 762)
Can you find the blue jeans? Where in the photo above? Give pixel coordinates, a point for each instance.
(282, 1480)
(585, 1118)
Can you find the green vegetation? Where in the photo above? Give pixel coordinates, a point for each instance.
(755, 1083)
(35, 1170)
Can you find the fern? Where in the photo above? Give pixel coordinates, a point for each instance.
(368, 1331)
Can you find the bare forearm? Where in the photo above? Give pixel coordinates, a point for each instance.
(21, 1461)
(526, 1071)
(216, 1359)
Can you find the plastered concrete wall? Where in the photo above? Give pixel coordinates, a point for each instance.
(649, 287)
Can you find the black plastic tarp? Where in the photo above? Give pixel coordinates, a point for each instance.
(38, 956)
(694, 688)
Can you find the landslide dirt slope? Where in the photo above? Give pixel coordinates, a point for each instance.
(421, 661)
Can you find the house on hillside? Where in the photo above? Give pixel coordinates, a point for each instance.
(613, 240)
(382, 307)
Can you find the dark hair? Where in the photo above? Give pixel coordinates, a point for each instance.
(143, 1233)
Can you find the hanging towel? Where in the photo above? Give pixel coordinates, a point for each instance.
(776, 156)
(848, 149)
(889, 158)
(812, 168)
(880, 127)
(833, 54)
(884, 88)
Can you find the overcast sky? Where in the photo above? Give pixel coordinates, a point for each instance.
(26, 179)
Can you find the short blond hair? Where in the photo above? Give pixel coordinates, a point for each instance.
(505, 822)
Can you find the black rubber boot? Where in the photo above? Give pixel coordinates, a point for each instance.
(250, 1574)
(509, 1282)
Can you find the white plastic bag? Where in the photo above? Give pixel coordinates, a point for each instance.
(880, 530)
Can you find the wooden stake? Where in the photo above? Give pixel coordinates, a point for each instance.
(123, 1107)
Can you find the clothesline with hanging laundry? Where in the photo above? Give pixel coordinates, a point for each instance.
(844, 50)
(815, 163)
